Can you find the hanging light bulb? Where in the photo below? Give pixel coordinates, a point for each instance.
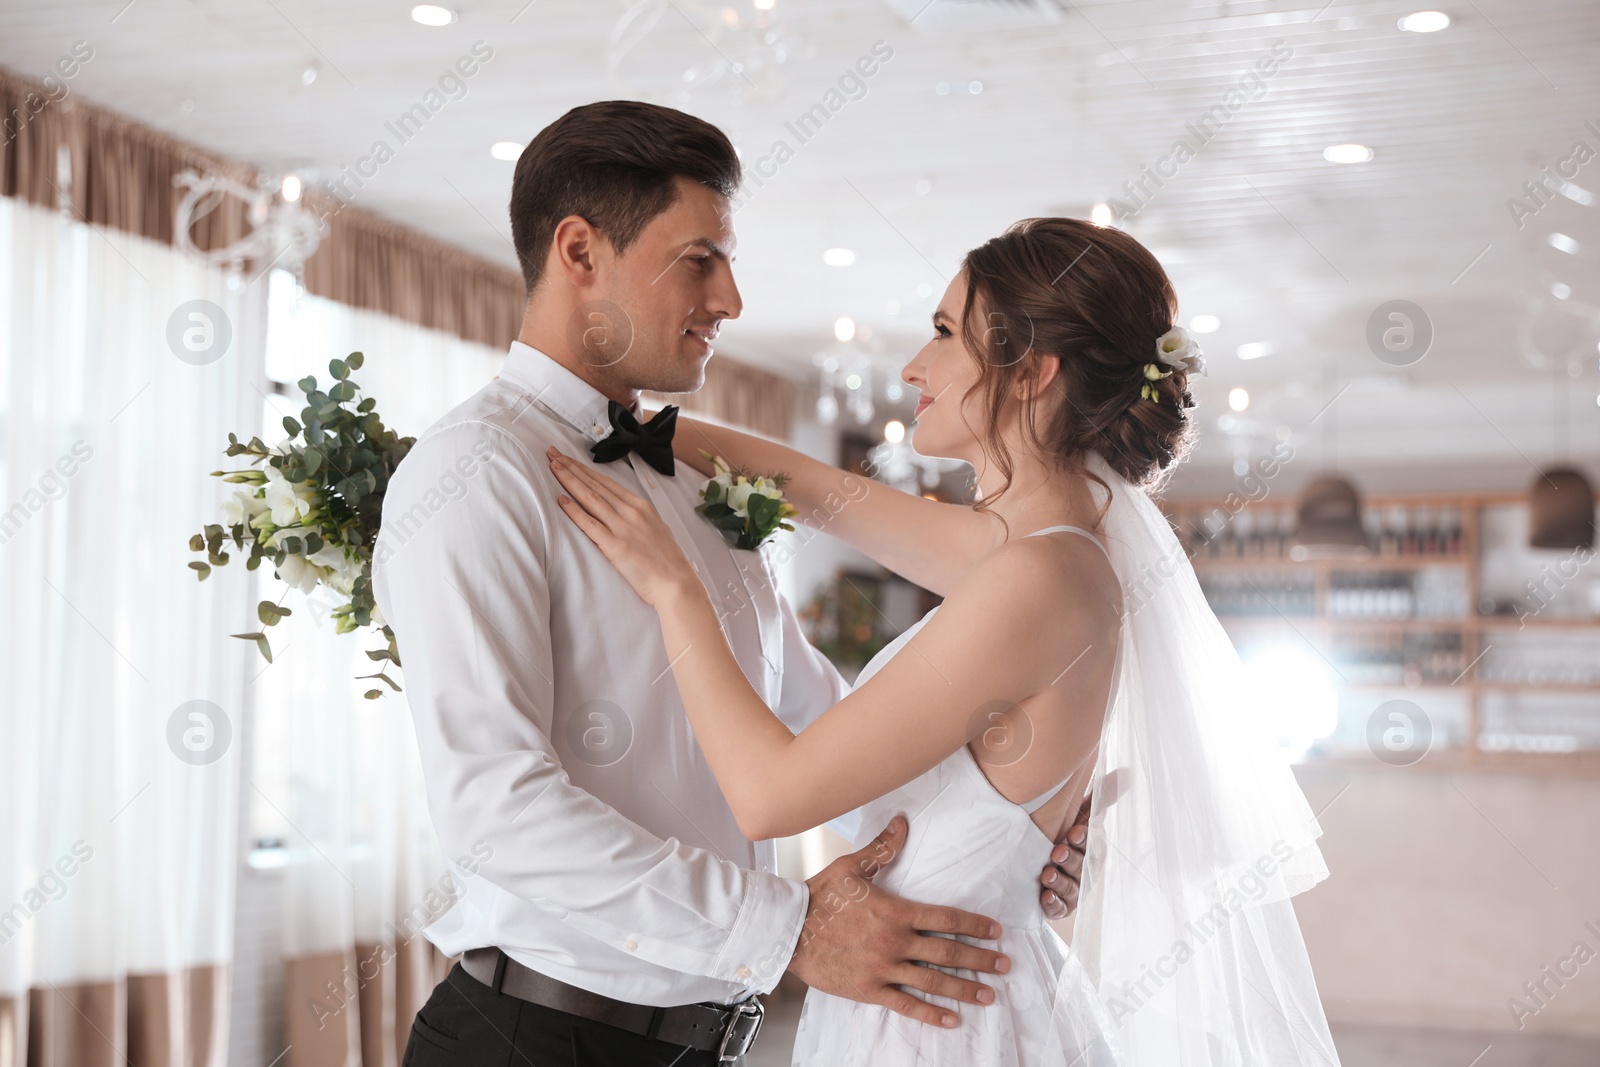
(1561, 510)
(1329, 522)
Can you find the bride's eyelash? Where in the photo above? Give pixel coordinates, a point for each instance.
(941, 329)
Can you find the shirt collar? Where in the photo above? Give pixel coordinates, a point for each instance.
(577, 402)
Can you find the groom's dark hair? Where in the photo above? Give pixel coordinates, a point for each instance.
(614, 163)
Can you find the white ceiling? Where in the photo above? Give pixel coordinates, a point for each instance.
(1257, 229)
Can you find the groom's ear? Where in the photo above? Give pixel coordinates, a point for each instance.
(575, 251)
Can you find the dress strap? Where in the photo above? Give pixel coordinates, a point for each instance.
(1039, 801)
(1073, 529)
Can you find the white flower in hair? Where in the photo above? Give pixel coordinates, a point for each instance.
(1178, 348)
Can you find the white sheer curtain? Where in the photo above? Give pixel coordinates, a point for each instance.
(337, 775)
(118, 796)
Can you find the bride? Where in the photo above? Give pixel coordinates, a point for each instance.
(1072, 649)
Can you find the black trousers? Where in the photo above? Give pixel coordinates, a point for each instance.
(466, 1024)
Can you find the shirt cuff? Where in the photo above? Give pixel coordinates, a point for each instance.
(766, 932)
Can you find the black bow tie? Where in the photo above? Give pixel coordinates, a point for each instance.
(653, 440)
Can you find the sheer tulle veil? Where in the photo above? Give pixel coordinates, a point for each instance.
(1185, 930)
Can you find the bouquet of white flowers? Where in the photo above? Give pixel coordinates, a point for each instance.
(314, 508)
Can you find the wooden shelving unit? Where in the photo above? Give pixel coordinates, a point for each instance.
(1225, 559)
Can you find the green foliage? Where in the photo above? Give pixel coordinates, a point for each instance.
(341, 455)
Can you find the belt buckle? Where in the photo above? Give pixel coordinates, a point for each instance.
(744, 1026)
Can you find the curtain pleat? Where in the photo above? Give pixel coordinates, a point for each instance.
(121, 177)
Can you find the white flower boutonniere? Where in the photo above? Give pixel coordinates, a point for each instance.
(747, 508)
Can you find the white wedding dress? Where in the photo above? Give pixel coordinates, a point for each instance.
(1185, 948)
(970, 848)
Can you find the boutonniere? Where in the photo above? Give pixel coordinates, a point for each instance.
(747, 509)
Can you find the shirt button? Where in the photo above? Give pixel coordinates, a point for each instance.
(650, 481)
(743, 973)
(630, 944)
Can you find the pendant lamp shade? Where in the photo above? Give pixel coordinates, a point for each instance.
(1329, 525)
(1561, 510)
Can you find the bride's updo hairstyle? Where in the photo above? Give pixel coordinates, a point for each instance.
(1096, 298)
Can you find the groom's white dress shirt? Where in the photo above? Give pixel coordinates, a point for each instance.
(559, 762)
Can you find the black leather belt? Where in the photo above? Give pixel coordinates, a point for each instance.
(729, 1030)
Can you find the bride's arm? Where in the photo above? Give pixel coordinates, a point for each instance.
(926, 542)
(1000, 637)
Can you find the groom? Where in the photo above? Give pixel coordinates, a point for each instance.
(617, 916)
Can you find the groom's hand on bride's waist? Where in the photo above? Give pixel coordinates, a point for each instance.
(866, 944)
(1058, 882)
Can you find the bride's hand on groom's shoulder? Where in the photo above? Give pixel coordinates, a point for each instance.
(866, 944)
(626, 529)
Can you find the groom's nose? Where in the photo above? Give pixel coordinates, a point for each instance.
(723, 300)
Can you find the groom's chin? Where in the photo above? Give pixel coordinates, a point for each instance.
(687, 378)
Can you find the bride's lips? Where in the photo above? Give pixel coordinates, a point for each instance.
(922, 405)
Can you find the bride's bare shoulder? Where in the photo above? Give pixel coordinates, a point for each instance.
(1032, 587)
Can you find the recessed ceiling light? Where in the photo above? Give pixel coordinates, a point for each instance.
(1425, 22)
(1100, 214)
(1560, 290)
(1205, 324)
(1561, 242)
(1254, 349)
(844, 328)
(432, 15)
(763, 5)
(1576, 193)
(1238, 399)
(838, 257)
(290, 188)
(309, 75)
(923, 187)
(508, 151)
(974, 87)
(894, 431)
(1347, 153)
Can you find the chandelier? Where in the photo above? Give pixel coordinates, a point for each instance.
(283, 233)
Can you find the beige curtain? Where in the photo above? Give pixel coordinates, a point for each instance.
(739, 395)
(118, 173)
